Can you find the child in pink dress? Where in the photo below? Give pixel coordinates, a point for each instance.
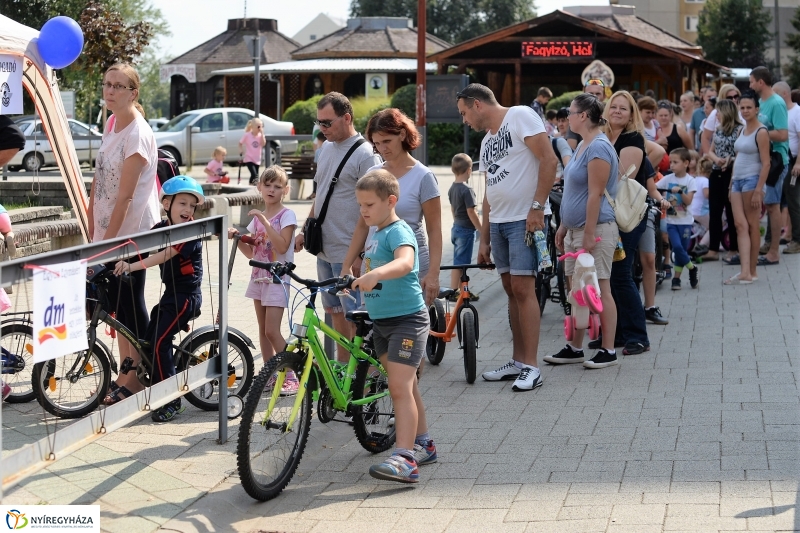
(251, 145)
(273, 231)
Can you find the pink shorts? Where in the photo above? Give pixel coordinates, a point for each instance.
(269, 294)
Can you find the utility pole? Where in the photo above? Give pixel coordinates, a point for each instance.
(254, 45)
(422, 151)
(777, 44)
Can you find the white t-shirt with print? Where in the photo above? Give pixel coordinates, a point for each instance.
(678, 212)
(512, 171)
(144, 211)
(794, 129)
(699, 205)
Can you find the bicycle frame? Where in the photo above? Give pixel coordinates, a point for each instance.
(451, 318)
(306, 339)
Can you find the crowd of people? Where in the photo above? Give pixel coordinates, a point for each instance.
(379, 210)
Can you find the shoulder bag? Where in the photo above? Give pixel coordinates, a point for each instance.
(312, 229)
(775, 162)
(630, 205)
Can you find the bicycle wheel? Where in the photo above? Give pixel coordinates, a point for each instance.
(16, 338)
(477, 322)
(72, 386)
(268, 451)
(240, 368)
(373, 423)
(435, 346)
(469, 344)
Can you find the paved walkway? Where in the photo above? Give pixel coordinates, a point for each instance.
(699, 434)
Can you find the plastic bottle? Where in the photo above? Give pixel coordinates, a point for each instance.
(541, 250)
(619, 251)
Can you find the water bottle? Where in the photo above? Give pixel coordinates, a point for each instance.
(619, 251)
(541, 250)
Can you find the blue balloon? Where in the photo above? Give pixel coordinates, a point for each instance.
(60, 42)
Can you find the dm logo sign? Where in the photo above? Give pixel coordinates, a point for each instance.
(59, 319)
(16, 519)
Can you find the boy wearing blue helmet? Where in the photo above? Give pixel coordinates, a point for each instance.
(182, 273)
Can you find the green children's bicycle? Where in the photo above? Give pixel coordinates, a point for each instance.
(274, 428)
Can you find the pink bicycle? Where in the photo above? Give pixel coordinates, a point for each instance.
(584, 297)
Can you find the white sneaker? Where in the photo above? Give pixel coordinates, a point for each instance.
(529, 378)
(507, 371)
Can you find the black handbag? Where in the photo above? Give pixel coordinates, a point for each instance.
(775, 164)
(312, 229)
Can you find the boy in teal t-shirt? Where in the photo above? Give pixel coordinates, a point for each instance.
(400, 321)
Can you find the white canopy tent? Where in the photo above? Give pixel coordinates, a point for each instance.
(40, 82)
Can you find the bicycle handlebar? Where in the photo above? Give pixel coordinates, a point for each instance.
(247, 239)
(487, 266)
(287, 269)
(576, 253)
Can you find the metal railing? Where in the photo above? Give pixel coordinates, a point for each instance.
(33, 457)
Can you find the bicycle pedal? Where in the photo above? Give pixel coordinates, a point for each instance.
(126, 366)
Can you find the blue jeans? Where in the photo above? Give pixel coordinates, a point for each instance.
(631, 325)
(679, 237)
(463, 240)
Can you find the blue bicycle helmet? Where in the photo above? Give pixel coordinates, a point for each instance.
(180, 184)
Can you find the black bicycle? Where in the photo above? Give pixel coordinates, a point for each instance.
(73, 386)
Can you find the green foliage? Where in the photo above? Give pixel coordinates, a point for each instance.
(562, 100)
(405, 99)
(363, 110)
(793, 40)
(447, 140)
(452, 20)
(734, 33)
(302, 114)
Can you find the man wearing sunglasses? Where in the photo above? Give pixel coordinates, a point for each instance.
(335, 121)
(520, 168)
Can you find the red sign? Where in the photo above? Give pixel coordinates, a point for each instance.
(557, 49)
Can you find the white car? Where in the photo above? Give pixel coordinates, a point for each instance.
(156, 123)
(38, 153)
(219, 126)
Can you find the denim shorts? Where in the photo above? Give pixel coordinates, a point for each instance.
(331, 303)
(510, 252)
(744, 184)
(463, 240)
(772, 195)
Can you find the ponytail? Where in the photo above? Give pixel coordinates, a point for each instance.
(139, 108)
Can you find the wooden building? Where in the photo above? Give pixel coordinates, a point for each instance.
(553, 50)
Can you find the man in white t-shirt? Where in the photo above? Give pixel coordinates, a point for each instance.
(520, 168)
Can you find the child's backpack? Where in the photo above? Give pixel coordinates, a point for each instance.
(167, 167)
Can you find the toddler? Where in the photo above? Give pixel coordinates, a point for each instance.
(679, 189)
(251, 145)
(465, 219)
(214, 169)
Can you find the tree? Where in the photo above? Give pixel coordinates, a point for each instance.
(793, 40)
(452, 20)
(734, 33)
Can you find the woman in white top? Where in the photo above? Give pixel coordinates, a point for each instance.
(750, 169)
(393, 136)
(124, 201)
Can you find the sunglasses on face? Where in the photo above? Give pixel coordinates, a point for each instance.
(732, 97)
(599, 82)
(326, 123)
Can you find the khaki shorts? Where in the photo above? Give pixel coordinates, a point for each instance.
(603, 252)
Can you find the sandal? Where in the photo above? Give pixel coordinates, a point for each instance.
(734, 280)
(732, 260)
(763, 261)
(114, 396)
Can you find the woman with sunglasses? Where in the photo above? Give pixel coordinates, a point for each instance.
(721, 153)
(671, 135)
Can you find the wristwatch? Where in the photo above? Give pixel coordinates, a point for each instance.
(536, 206)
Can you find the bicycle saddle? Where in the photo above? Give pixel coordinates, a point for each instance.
(446, 293)
(357, 316)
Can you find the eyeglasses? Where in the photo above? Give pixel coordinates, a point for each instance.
(595, 81)
(116, 86)
(326, 123)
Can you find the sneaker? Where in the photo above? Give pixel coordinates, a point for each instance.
(693, 280)
(168, 412)
(7, 391)
(653, 315)
(290, 384)
(601, 359)
(676, 284)
(396, 468)
(598, 343)
(764, 248)
(425, 455)
(530, 378)
(667, 271)
(566, 356)
(507, 371)
(635, 348)
(792, 248)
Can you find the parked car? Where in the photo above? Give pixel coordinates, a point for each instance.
(156, 123)
(219, 126)
(38, 153)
